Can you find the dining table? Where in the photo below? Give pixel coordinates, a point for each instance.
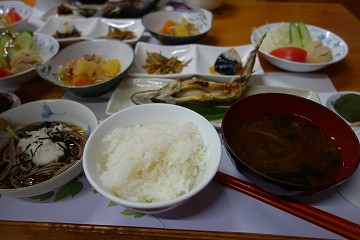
(218, 212)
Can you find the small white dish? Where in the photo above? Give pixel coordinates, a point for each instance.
(337, 45)
(133, 25)
(22, 9)
(202, 58)
(76, 14)
(330, 104)
(92, 28)
(121, 97)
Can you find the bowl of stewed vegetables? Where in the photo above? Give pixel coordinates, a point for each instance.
(299, 47)
(89, 68)
(178, 27)
(41, 145)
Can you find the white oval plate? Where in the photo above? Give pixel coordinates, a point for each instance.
(202, 58)
(92, 28)
(121, 97)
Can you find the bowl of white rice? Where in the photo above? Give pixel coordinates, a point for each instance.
(152, 158)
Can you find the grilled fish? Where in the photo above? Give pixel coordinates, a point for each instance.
(182, 91)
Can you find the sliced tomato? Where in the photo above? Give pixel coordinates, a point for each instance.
(4, 72)
(290, 53)
(12, 17)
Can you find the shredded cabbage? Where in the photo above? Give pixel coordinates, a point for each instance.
(276, 38)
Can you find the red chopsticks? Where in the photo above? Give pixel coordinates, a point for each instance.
(311, 214)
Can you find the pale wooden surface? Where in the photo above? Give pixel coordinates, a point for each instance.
(233, 23)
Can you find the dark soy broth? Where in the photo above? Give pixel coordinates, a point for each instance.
(288, 149)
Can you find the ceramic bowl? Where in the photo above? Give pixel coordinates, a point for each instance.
(48, 110)
(8, 100)
(294, 106)
(207, 4)
(148, 114)
(126, 9)
(22, 9)
(201, 18)
(106, 48)
(48, 48)
(337, 45)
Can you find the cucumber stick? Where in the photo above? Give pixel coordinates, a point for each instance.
(24, 39)
(299, 34)
(5, 40)
(304, 33)
(295, 38)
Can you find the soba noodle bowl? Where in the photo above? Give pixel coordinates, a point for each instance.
(44, 150)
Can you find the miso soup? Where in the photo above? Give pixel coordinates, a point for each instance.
(287, 148)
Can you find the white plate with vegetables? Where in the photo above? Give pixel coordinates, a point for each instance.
(299, 47)
(185, 61)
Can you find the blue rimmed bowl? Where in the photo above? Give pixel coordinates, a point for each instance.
(22, 9)
(48, 47)
(338, 47)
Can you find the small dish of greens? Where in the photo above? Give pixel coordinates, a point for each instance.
(347, 105)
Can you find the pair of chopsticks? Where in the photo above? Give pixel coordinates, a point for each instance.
(309, 213)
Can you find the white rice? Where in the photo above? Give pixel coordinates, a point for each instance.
(153, 163)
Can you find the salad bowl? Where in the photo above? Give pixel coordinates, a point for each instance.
(277, 37)
(22, 10)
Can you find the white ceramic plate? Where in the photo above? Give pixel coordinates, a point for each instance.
(52, 12)
(337, 45)
(202, 58)
(92, 28)
(22, 9)
(121, 97)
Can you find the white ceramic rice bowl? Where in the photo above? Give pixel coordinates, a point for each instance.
(147, 114)
(48, 110)
(337, 45)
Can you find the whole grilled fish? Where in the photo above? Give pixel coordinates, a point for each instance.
(182, 91)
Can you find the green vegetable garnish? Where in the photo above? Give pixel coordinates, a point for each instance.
(348, 106)
(5, 126)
